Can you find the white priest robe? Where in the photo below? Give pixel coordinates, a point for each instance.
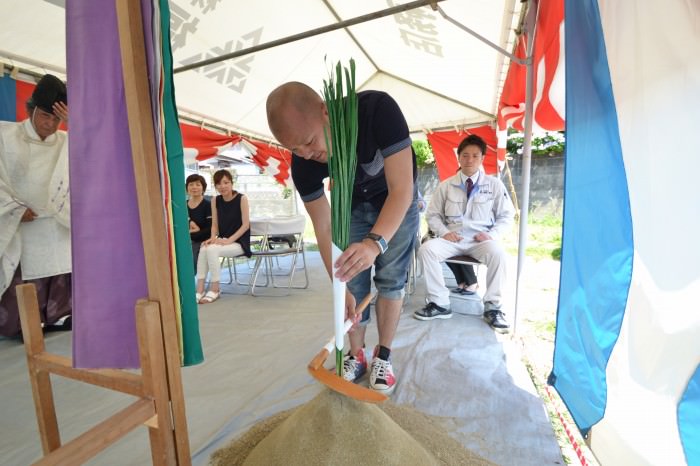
(34, 174)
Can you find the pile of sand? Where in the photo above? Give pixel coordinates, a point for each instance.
(334, 429)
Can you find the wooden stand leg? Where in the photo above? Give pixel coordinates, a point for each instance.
(154, 408)
(40, 379)
(154, 374)
(153, 232)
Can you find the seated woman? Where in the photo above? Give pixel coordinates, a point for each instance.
(230, 235)
(199, 213)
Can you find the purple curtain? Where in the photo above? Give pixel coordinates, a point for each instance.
(108, 262)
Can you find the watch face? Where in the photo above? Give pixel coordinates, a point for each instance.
(381, 242)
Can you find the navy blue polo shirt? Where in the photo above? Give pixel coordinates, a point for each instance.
(382, 132)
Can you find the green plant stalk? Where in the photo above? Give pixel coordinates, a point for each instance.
(341, 146)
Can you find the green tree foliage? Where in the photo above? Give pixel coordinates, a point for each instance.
(549, 143)
(424, 153)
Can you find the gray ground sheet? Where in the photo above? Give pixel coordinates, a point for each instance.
(256, 352)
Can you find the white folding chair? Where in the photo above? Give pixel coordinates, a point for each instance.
(281, 237)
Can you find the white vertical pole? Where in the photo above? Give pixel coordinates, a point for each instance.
(338, 312)
(530, 23)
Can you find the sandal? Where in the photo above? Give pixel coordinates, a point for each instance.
(198, 297)
(210, 297)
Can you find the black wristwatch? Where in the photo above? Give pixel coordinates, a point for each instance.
(379, 240)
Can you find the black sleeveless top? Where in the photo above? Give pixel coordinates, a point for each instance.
(230, 220)
(201, 215)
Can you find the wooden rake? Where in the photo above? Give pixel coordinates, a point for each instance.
(333, 381)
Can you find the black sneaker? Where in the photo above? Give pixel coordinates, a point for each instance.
(432, 311)
(61, 325)
(497, 320)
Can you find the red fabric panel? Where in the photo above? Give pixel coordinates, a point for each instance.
(207, 144)
(23, 92)
(445, 143)
(547, 59)
(282, 160)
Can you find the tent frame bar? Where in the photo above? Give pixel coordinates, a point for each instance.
(28, 62)
(311, 33)
(483, 39)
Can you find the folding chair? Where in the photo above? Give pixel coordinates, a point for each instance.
(464, 260)
(415, 263)
(281, 237)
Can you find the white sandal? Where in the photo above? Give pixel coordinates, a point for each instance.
(198, 297)
(210, 297)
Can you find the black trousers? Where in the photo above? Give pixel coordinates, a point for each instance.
(463, 273)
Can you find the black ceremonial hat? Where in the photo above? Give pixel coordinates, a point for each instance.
(48, 91)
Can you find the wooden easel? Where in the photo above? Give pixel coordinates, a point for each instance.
(151, 409)
(160, 405)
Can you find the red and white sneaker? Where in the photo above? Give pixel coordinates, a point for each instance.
(381, 376)
(354, 367)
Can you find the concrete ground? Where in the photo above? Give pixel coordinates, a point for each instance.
(256, 352)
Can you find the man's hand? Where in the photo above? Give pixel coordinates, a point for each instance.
(452, 236)
(61, 111)
(350, 309)
(356, 258)
(28, 215)
(481, 236)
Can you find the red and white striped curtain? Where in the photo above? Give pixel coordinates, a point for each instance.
(549, 90)
(205, 144)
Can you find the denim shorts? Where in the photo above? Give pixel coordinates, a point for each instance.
(390, 268)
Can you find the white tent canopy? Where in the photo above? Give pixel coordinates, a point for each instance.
(441, 76)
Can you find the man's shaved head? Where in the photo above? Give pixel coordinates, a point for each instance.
(289, 102)
(297, 115)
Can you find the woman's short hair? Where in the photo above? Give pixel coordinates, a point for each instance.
(194, 178)
(220, 174)
(472, 140)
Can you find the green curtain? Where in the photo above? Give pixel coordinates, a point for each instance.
(191, 342)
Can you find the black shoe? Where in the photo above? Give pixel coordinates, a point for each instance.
(463, 291)
(497, 320)
(432, 311)
(62, 325)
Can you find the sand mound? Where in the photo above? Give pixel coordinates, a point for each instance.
(334, 429)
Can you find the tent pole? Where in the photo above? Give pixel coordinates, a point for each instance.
(527, 151)
(313, 32)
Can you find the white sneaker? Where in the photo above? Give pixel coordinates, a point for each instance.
(381, 376)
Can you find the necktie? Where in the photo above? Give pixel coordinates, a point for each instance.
(470, 186)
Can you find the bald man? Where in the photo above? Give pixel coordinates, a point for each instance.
(384, 217)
